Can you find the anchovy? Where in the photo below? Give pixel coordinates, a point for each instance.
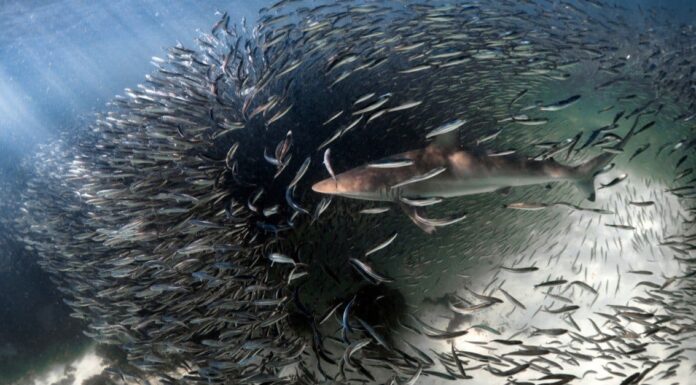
(345, 321)
(622, 227)
(488, 138)
(382, 245)
(510, 372)
(640, 272)
(563, 309)
(300, 172)
(614, 181)
(560, 105)
(529, 352)
(374, 210)
(332, 118)
(445, 128)
(291, 201)
(391, 163)
(422, 177)
(327, 163)
(501, 153)
(321, 207)
(458, 362)
(350, 126)
(639, 151)
(439, 222)
(531, 122)
(420, 202)
(404, 106)
(551, 283)
(584, 286)
(364, 98)
(520, 269)
(447, 335)
(373, 333)
(549, 332)
(512, 299)
(367, 271)
(530, 206)
(372, 106)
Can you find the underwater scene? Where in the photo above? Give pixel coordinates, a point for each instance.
(298, 192)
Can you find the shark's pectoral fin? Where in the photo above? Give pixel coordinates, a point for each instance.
(412, 213)
(504, 191)
(586, 173)
(586, 186)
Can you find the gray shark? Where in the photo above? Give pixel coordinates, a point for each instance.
(446, 171)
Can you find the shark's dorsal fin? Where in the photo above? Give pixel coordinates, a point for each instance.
(448, 140)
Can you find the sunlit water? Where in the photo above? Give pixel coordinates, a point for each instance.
(63, 61)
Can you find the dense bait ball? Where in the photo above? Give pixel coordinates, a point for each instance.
(387, 192)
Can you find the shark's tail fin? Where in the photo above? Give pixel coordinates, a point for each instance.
(587, 171)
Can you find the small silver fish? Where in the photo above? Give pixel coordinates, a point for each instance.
(419, 178)
(404, 106)
(367, 271)
(421, 202)
(327, 163)
(382, 245)
(445, 128)
(374, 210)
(563, 104)
(300, 172)
(391, 163)
(530, 206)
(281, 259)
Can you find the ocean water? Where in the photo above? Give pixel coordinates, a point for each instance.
(162, 219)
(62, 61)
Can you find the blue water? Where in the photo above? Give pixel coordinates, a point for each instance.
(63, 60)
(60, 63)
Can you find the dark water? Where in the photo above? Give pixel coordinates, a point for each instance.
(37, 329)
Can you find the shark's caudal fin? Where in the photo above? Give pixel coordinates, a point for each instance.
(587, 171)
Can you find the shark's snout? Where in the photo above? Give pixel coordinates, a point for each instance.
(326, 186)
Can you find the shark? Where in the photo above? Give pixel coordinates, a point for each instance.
(444, 170)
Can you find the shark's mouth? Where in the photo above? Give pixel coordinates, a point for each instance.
(211, 260)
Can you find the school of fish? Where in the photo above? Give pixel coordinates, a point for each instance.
(236, 218)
